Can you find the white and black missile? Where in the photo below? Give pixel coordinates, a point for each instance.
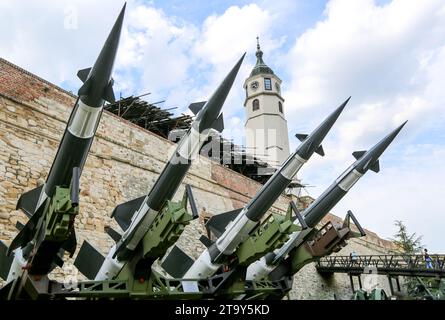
(68, 164)
(248, 218)
(366, 160)
(136, 216)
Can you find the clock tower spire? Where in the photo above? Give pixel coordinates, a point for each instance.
(266, 126)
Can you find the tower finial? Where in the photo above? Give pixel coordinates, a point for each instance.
(260, 66)
(259, 53)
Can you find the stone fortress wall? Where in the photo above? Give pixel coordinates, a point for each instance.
(123, 164)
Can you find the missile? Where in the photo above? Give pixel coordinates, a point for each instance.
(52, 207)
(365, 160)
(136, 216)
(248, 218)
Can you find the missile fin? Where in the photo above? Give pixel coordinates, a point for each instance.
(177, 262)
(358, 154)
(197, 106)
(205, 241)
(375, 166)
(89, 260)
(85, 88)
(124, 212)
(83, 74)
(218, 124)
(218, 223)
(320, 150)
(28, 201)
(116, 236)
(109, 93)
(70, 244)
(58, 261)
(301, 136)
(5, 261)
(27, 233)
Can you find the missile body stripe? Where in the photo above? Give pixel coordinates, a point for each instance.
(16, 266)
(293, 166)
(131, 238)
(84, 121)
(110, 267)
(236, 232)
(204, 265)
(347, 181)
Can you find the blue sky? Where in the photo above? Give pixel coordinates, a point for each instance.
(388, 55)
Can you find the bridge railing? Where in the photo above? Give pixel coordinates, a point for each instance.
(411, 262)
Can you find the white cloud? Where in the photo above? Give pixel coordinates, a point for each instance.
(379, 55)
(35, 35)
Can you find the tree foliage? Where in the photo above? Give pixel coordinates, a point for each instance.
(407, 243)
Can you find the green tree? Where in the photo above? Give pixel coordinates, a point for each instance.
(405, 242)
(408, 244)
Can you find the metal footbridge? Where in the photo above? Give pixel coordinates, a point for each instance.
(392, 266)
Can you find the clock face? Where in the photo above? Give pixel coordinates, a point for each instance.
(277, 86)
(254, 85)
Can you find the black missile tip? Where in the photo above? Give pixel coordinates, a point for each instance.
(400, 127)
(339, 110)
(121, 14)
(343, 105)
(241, 59)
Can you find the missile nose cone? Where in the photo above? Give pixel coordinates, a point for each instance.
(334, 115)
(97, 80)
(371, 159)
(213, 107)
(112, 42)
(398, 129)
(385, 142)
(314, 140)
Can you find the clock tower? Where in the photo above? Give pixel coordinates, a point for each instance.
(266, 126)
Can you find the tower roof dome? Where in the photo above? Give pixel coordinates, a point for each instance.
(260, 66)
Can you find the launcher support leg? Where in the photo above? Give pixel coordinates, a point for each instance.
(352, 283)
(391, 285)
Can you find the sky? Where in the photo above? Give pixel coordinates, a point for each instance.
(388, 55)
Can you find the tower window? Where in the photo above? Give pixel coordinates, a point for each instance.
(255, 105)
(280, 106)
(267, 84)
